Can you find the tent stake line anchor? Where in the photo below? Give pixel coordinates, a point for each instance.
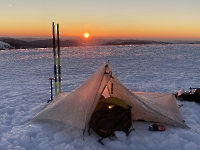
(51, 83)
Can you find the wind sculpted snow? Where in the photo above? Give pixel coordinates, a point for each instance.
(25, 89)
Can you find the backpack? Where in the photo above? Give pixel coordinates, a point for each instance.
(106, 122)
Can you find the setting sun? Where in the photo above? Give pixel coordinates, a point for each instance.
(86, 35)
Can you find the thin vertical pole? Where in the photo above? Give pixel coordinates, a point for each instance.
(54, 57)
(51, 89)
(59, 66)
(51, 80)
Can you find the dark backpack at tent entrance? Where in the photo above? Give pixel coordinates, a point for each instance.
(105, 122)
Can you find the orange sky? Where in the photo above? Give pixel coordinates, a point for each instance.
(115, 19)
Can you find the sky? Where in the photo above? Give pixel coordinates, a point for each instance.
(139, 19)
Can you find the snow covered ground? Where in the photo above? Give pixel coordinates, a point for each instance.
(25, 89)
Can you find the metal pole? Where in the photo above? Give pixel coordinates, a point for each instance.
(51, 91)
(59, 66)
(54, 56)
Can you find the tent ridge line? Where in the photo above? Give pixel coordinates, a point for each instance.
(94, 100)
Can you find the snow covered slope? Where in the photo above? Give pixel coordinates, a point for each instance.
(25, 89)
(5, 46)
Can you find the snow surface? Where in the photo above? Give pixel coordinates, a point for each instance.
(25, 89)
(5, 46)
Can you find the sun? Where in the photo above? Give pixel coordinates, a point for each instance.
(86, 35)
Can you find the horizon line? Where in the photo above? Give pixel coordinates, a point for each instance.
(108, 38)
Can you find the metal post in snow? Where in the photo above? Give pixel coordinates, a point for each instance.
(59, 66)
(51, 80)
(54, 57)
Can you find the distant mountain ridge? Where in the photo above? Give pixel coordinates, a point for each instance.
(46, 43)
(133, 42)
(5, 46)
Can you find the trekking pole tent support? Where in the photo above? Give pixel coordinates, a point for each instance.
(57, 66)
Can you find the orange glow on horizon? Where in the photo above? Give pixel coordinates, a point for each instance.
(86, 35)
(137, 32)
(133, 19)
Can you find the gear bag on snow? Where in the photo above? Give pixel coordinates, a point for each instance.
(106, 122)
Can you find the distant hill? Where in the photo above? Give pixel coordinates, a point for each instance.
(17, 44)
(132, 42)
(5, 46)
(184, 42)
(46, 43)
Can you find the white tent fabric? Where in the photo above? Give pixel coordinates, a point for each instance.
(76, 108)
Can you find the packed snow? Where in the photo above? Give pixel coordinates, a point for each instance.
(25, 89)
(5, 46)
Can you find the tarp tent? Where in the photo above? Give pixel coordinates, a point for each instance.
(76, 108)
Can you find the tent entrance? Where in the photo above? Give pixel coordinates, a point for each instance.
(108, 103)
